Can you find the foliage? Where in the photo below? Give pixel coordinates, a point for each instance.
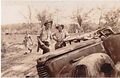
(80, 17)
(43, 16)
(109, 18)
(112, 17)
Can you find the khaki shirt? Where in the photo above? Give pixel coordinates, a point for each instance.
(60, 35)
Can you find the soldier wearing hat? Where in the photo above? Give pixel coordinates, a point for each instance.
(59, 36)
(45, 37)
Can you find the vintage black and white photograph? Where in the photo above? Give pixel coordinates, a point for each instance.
(60, 38)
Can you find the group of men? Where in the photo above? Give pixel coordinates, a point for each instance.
(46, 35)
(44, 39)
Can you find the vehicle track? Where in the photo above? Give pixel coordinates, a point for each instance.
(29, 60)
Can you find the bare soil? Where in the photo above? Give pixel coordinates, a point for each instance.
(14, 62)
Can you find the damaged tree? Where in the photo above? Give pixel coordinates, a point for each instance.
(28, 17)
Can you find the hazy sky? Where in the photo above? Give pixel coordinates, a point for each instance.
(13, 11)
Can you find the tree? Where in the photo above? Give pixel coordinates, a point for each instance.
(81, 17)
(110, 18)
(28, 17)
(43, 16)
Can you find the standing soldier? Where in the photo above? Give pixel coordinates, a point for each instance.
(27, 43)
(59, 36)
(45, 37)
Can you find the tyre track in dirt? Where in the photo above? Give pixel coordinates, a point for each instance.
(9, 59)
(7, 62)
(28, 60)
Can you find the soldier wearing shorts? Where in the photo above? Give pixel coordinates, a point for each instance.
(45, 37)
(27, 43)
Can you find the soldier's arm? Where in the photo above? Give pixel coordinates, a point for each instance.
(39, 40)
(66, 35)
(54, 36)
(40, 33)
(40, 36)
(41, 43)
(31, 39)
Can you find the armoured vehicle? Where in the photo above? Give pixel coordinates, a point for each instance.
(92, 56)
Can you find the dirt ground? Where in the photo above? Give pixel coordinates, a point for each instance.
(13, 59)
